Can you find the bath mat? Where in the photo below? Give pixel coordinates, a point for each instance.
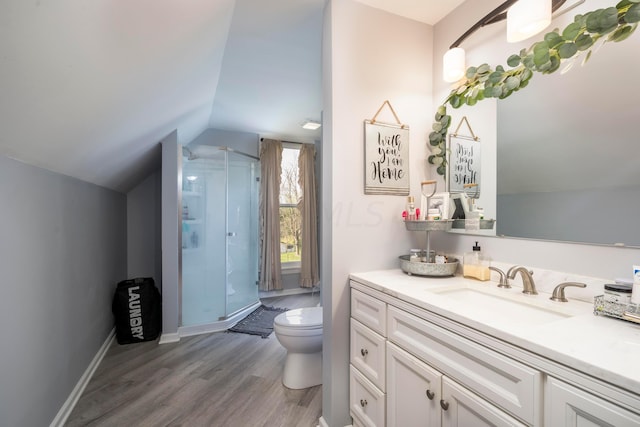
(259, 322)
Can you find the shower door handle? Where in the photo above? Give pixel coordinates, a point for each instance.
(231, 234)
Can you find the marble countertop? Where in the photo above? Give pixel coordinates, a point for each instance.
(602, 347)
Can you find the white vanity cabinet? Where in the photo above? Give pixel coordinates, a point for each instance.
(566, 405)
(413, 365)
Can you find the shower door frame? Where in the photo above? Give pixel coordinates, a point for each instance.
(223, 321)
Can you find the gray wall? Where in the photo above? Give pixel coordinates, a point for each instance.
(171, 182)
(62, 251)
(144, 255)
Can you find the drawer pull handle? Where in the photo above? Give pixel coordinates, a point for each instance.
(364, 352)
(363, 402)
(430, 394)
(444, 405)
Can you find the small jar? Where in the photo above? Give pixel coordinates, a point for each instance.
(415, 255)
(424, 257)
(617, 293)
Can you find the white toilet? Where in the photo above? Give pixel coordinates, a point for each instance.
(300, 332)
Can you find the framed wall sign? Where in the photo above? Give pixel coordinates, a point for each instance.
(464, 163)
(386, 158)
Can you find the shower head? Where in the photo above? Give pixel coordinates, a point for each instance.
(188, 154)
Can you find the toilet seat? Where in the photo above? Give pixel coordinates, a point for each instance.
(300, 318)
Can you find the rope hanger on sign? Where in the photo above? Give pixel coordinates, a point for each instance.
(373, 120)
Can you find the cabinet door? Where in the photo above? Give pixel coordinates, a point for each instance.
(462, 408)
(413, 391)
(569, 406)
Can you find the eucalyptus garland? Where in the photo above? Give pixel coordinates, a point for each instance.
(557, 48)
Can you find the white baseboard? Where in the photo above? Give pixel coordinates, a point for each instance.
(70, 403)
(323, 423)
(284, 292)
(169, 338)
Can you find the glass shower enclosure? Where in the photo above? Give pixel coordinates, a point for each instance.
(219, 235)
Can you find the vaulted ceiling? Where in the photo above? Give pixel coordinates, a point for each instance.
(88, 88)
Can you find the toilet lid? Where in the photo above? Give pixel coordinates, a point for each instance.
(308, 317)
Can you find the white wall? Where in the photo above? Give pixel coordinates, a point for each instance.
(370, 56)
(62, 252)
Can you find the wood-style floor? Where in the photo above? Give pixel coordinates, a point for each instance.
(219, 379)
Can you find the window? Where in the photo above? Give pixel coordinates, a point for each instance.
(290, 220)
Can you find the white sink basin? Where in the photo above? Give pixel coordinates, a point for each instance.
(510, 307)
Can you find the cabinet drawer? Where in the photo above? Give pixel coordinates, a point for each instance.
(366, 401)
(511, 385)
(369, 311)
(368, 353)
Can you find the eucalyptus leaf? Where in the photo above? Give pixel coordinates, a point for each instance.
(572, 31)
(602, 20)
(621, 33)
(584, 42)
(567, 50)
(455, 101)
(437, 127)
(445, 121)
(435, 138)
(540, 57)
(633, 14)
(471, 72)
(430, 158)
(484, 68)
(513, 60)
(555, 64)
(512, 82)
(553, 39)
(471, 101)
(495, 77)
(442, 169)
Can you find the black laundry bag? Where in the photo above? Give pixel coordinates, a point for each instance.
(137, 309)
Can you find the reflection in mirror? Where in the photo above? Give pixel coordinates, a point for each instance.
(569, 152)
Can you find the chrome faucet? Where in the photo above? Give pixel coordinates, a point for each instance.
(528, 285)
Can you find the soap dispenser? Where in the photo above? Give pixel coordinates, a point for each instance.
(476, 264)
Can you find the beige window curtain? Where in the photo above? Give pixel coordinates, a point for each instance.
(270, 170)
(309, 275)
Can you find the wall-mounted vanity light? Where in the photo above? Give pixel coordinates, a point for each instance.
(525, 18)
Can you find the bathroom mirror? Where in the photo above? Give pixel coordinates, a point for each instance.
(568, 149)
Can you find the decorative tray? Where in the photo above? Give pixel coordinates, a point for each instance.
(608, 308)
(439, 225)
(428, 268)
(485, 224)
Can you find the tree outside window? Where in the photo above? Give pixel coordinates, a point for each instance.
(290, 220)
